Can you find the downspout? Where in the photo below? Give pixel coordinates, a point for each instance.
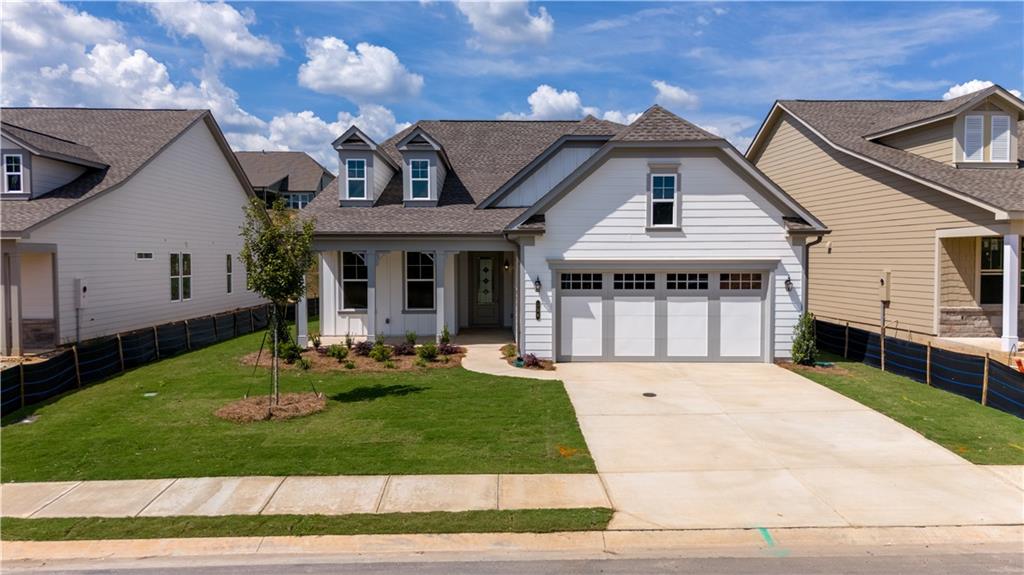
(807, 271)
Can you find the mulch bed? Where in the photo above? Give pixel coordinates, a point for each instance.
(291, 405)
(545, 364)
(324, 363)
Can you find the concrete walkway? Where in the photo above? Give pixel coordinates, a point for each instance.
(337, 495)
(756, 445)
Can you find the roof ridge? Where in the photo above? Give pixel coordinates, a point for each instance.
(43, 134)
(104, 108)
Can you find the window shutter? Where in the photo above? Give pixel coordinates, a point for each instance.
(1000, 138)
(974, 130)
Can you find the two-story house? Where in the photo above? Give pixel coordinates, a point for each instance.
(113, 220)
(927, 193)
(294, 176)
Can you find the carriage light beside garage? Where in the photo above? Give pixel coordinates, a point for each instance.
(536, 285)
(789, 284)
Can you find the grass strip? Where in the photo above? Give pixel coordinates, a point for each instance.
(491, 521)
(977, 433)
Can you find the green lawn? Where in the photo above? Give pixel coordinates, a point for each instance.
(428, 421)
(509, 521)
(979, 434)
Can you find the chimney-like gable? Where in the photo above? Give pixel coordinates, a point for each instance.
(363, 171)
(424, 168)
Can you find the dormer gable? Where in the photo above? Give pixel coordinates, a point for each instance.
(424, 168)
(35, 164)
(363, 170)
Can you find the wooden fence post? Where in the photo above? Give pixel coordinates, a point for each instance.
(120, 351)
(78, 373)
(984, 383)
(846, 342)
(252, 321)
(21, 378)
(156, 343)
(928, 364)
(215, 338)
(881, 344)
(188, 337)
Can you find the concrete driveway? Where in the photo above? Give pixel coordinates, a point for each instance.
(755, 445)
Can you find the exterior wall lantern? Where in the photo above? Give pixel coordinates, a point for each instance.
(789, 284)
(506, 265)
(536, 285)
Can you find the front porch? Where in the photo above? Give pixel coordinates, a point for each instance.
(979, 290)
(29, 308)
(388, 288)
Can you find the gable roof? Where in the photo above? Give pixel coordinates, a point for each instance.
(659, 125)
(265, 169)
(846, 124)
(124, 140)
(51, 147)
(912, 114)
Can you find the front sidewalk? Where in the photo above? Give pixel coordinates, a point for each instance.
(330, 495)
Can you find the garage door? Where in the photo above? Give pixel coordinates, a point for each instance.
(662, 316)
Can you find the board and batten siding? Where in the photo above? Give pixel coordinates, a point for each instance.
(187, 199)
(878, 220)
(934, 141)
(553, 171)
(605, 218)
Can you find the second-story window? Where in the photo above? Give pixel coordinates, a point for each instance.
(13, 173)
(663, 200)
(356, 180)
(420, 179)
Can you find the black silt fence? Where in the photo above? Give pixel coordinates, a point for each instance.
(99, 359)
(202, 332)
(46, 379)
(10, 389)
(244, 322)
(138, 347)
(225, 325)
(958, 373)
(260, 318)
(172, 339)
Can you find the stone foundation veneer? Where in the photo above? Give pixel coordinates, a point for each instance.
(973, 322)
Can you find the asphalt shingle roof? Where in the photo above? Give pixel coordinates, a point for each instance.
(267, 168)
(846, 123)
(659, 125)
(122, 139)
(51, 146)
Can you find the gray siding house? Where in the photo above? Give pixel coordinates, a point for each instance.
(294, 176)
(113, 220)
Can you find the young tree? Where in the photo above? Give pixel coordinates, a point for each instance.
(805, 349)
(277, 253)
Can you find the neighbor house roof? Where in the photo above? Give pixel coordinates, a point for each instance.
(122, 140)
(265, 169)
(848, 125)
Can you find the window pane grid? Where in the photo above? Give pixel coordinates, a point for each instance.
(227, 265)
(419, 280)
(687, 281)
(420, 178)
(578, 281)
(12, 173)
(663, 200)
(181, 276)
(356, 171)
(633, 281)
(740, 281)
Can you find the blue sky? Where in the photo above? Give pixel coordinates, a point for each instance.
(288, 75)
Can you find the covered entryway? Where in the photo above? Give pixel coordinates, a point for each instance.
(663, 316)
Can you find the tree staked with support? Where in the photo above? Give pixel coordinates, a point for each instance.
(277, 253)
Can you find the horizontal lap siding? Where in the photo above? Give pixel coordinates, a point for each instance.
(187, 199)
(934, 141)
(878, 220)
(605, 218)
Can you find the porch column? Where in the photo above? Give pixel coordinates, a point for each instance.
(440, 259)
(12, 302)
(371, 295)
(1011, 289)
(302, 320)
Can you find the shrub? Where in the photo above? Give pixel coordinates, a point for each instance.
(410, 337)
(389, 364)
(446, 358)
(419, 362)
(304, 363)
(314, 338)
(530, 360)
(449, 349)
(446, 336)
(348, 340)
(350, 364)
(509, 351)
(427, 352)
(338, 352)
(404, 348)
(805, 350)
(380, 352)
(362, 348)
(289, 352)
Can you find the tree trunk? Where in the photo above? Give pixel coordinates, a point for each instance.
(276, 373)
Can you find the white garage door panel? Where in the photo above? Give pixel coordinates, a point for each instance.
(740, 326)
(581, 326)
(687, 326)
(634, 326)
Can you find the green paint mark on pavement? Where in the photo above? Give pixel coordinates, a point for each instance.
(770, 541)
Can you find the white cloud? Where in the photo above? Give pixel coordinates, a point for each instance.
(621, 117)
(548, 103)
(369, 72)
(506, 24)
(731, 128)
(223, 31)
(674, 97)
(957, 90)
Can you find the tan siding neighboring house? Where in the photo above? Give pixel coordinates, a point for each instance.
(935, 141)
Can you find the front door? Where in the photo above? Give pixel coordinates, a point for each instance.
(485, 282)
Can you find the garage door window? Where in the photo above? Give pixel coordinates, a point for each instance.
(633, 281)
(578, 281)
(740, 281)
(687, 281)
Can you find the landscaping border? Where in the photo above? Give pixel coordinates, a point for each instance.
(977, 378)
(97, 359)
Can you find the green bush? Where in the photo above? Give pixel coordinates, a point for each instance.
(805, 350)
(314, 338)
(348, 340)
(350, 364)
(446, 336)
(338, 352)
(419, 362)
(289, 352)
(508, 351)
(390, 364)
(427, 352)
(410, 337)
(380, 352)
(304, 363)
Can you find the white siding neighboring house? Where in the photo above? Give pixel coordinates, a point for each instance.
(590, 240)
(115, 223)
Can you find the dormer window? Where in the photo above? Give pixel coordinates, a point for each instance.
(13, 174)
(356, 179)
(995, 136)
(1000, 150)
(974, 138)
(419, 177)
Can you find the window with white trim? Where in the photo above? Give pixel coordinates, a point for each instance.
(143, 255)
(974, 138)
(228, 269)
(355, 181)
(663, 200)
(419, 179)
(1000, 147)
(181, 276)
(297, 201)
(419, 281)
(13, 176)
(354, 281)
